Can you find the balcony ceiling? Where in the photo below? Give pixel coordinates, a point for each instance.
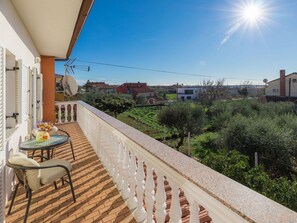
(52, 24)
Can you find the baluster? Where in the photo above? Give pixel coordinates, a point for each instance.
(140, 213)
(101, 149)
(175, 210)
(111, 148)
(216, 218)
(160, 198)
(149, 193)
(59, 114)
(125, 191)
(120, 166)
(115, 146)
(194, 209)
(132, 201)
(72, 112)
(66, 113)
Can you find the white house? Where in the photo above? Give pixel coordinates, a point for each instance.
(285, 86)
(188, 92)
(33, 33)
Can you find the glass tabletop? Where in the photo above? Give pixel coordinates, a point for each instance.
(53, 141)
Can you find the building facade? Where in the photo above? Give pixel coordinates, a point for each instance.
(33, 33)
(185, 93)
(285, 86)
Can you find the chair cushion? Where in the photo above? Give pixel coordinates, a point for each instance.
(32, 176)
(49, 175)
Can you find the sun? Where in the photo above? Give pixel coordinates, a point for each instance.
(252, 13)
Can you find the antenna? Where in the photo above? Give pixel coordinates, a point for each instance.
(69, 83)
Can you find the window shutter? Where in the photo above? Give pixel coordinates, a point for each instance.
(39, 102)
(2, 134)
(24, 92)
(34, 97)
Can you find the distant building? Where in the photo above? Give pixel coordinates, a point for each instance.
(136, 89)
(185, 93)
(101, 87)
(285, 86)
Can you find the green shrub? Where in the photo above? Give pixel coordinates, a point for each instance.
(207, 141)
(263, 135)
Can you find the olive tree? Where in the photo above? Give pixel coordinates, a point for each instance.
(114, 103)
(183, 117)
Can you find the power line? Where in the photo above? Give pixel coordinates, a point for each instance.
(156, 70)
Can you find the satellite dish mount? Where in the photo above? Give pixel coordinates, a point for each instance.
(69, 83)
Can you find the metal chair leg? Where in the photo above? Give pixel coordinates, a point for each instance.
(28, 205)
(71, 146)
(71, 186)
(55, 185)
(13, 197)
(62, 180)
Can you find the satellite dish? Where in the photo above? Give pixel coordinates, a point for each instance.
(69, 85)
(265, 80)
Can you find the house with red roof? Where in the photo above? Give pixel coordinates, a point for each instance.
(136, 89)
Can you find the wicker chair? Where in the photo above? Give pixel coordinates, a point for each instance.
(33, 175)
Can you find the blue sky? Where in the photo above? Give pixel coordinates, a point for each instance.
(203, 37)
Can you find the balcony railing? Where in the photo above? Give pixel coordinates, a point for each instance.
(65, 111)
(143, 169)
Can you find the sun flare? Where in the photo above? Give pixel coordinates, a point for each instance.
(252, 13)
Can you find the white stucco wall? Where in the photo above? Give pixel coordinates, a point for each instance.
(15, 39)
(273, 88)
(14, 35)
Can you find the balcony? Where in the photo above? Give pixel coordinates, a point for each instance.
(123, 175)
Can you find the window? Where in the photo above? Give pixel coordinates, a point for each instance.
(189, 91)
(189, 97)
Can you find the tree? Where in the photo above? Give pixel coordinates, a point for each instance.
(212, 91)
(114, 103)
(243, 90)
(183, 117)
(141, 100)
(88, 86)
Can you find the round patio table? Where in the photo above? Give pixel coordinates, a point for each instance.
(52, 142)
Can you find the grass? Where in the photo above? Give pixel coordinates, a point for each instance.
(145, 120)
(171, 97)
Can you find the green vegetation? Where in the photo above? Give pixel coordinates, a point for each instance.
(233, 131)
(171, 97)
(145, 120)
(184, 118)
(237, 166)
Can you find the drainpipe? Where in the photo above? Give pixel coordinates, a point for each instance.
(282, 82)
(289, 87)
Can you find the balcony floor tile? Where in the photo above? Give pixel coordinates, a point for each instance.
(98, 200)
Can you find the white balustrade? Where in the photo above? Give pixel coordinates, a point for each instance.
(63, 107)
(132, 201)
(124, 151)
(120, 166)
(125, 190)
(66, 113)
(59, 114)
(160, 198)
(149, 193)
(175, 210)
(140, 213)
(194, 209)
